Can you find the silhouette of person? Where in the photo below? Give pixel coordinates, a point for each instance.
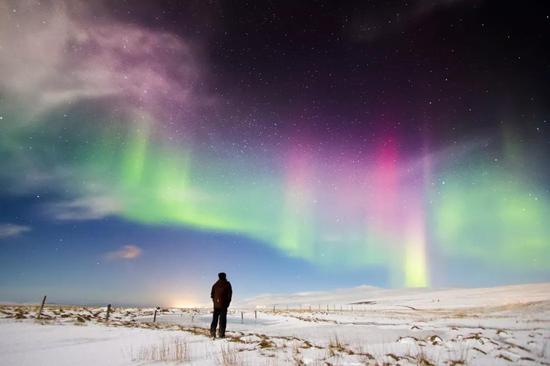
(221, 297)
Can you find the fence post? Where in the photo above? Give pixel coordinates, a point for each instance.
(242, 317)
(108, 312)
(41, 308)
(255, 314)
(155, 316)
(273, 308)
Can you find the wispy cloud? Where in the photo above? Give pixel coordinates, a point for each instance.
(71, 57)
(84, 208)
(127, 252)
(10, 230)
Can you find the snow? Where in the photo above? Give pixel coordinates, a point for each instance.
(492, 326)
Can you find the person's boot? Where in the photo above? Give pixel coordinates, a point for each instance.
(221, 335)
(212, 333)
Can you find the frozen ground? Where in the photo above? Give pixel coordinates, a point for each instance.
(363, 326)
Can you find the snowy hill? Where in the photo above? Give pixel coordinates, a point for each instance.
(424, 298)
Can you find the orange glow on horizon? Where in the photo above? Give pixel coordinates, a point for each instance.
(184, 303)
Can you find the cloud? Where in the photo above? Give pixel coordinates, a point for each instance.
(85, 208)
(58, 54)
(126, 252)
(10, 230)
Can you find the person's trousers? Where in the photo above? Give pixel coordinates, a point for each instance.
(222, 314)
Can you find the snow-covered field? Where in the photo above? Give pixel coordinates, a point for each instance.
(363, 326)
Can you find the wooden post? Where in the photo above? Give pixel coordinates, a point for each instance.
(310, 308)
(41, 308)
(155, 316)
(108, 312)
(273, 308)
(255, 314)
(327, 307)
(242, 317)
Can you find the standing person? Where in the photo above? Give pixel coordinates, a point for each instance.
(221, 297)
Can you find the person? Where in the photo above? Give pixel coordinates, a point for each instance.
(221, 297)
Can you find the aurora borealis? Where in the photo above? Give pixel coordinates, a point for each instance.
(149, 145)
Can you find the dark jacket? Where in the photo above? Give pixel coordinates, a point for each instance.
(221, 294)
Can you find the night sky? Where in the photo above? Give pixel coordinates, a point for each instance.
(295, 145)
